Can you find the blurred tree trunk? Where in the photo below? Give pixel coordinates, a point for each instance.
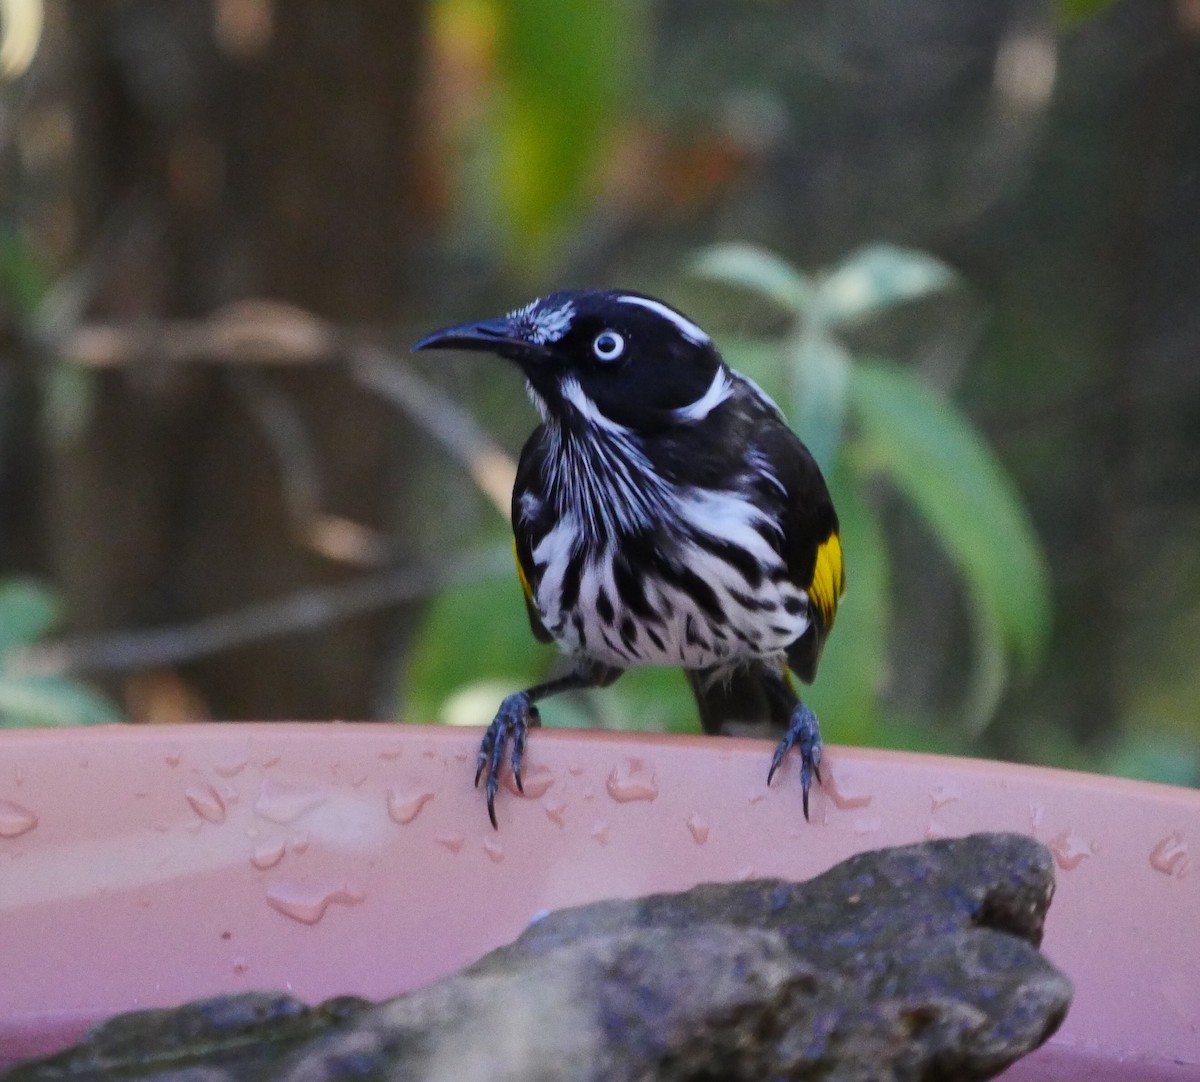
(229, 149)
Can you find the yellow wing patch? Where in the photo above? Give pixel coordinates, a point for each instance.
(829, 579)
(521, 574)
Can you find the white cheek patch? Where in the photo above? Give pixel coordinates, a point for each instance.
(719, 390)
(685, 326)
(539, 403)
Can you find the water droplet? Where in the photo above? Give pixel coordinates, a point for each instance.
(1037, 812)
(461, 756)
(845, 796)
(15, 820)
(307, 902)
(599, 831)
(554, 811)
(1170, 856)
(1070, 849)
(429, 753)
(19, 775)
(536, 779)
(635, 782)
(404, 807)
(173, 758)
(268, 855)
(453, 842)
(757, 796)
(575, 769)
(867, 824)
(282, 803)
(206, 802)
(269, 760)
(240, 966)
(391, 753)
(359, 780)
(941, 795)
(743, 873)
(936, 830)
(698, 825)
(494, 850)
(231, 768)
(300, 843)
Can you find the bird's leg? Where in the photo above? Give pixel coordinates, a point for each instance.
(518, 714)
(803, 731)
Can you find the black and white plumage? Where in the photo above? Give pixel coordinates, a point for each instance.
(663, 514)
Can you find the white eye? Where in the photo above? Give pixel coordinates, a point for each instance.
(608, 346)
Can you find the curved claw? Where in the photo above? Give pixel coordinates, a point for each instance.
(805, 731)
(512, 722)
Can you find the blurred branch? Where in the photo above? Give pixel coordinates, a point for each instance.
(333, 536)
(247, 336)
(304, 610)
(255, 332)
(258, 332)
(491, 468)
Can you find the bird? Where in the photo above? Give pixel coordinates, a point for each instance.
(663, 513)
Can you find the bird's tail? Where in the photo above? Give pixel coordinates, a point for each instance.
(740, 703)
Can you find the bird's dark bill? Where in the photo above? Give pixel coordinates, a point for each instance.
(490, 336)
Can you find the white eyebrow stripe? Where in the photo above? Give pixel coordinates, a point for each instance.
(719, 390)
(686, 327)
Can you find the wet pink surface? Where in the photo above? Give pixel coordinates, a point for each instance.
(146, 866)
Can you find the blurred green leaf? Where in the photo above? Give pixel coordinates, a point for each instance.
(1073, 12)
(756, 269)
(761, 361)
(950, 476)
(647, 699)
(819, 371)
(472, 633)
(27, 612)
(51, 701)
(70, 394)
(845, 694)
(563, 67)
(1155, 757)
(989, 674)
(874, 279)
(23, 277)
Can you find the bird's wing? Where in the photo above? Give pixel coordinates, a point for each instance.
(529, 474)
(812, 544)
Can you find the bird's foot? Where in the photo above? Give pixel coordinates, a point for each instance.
(516, 716)
(805, 732)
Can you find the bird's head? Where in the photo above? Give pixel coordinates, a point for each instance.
(603, 357)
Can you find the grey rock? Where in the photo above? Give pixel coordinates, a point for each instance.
(901, 964)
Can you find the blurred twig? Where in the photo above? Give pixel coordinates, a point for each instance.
(258, 332)
(492, 469)
(334, 536)
(248, 335)
(268, 332)
(304, 610)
